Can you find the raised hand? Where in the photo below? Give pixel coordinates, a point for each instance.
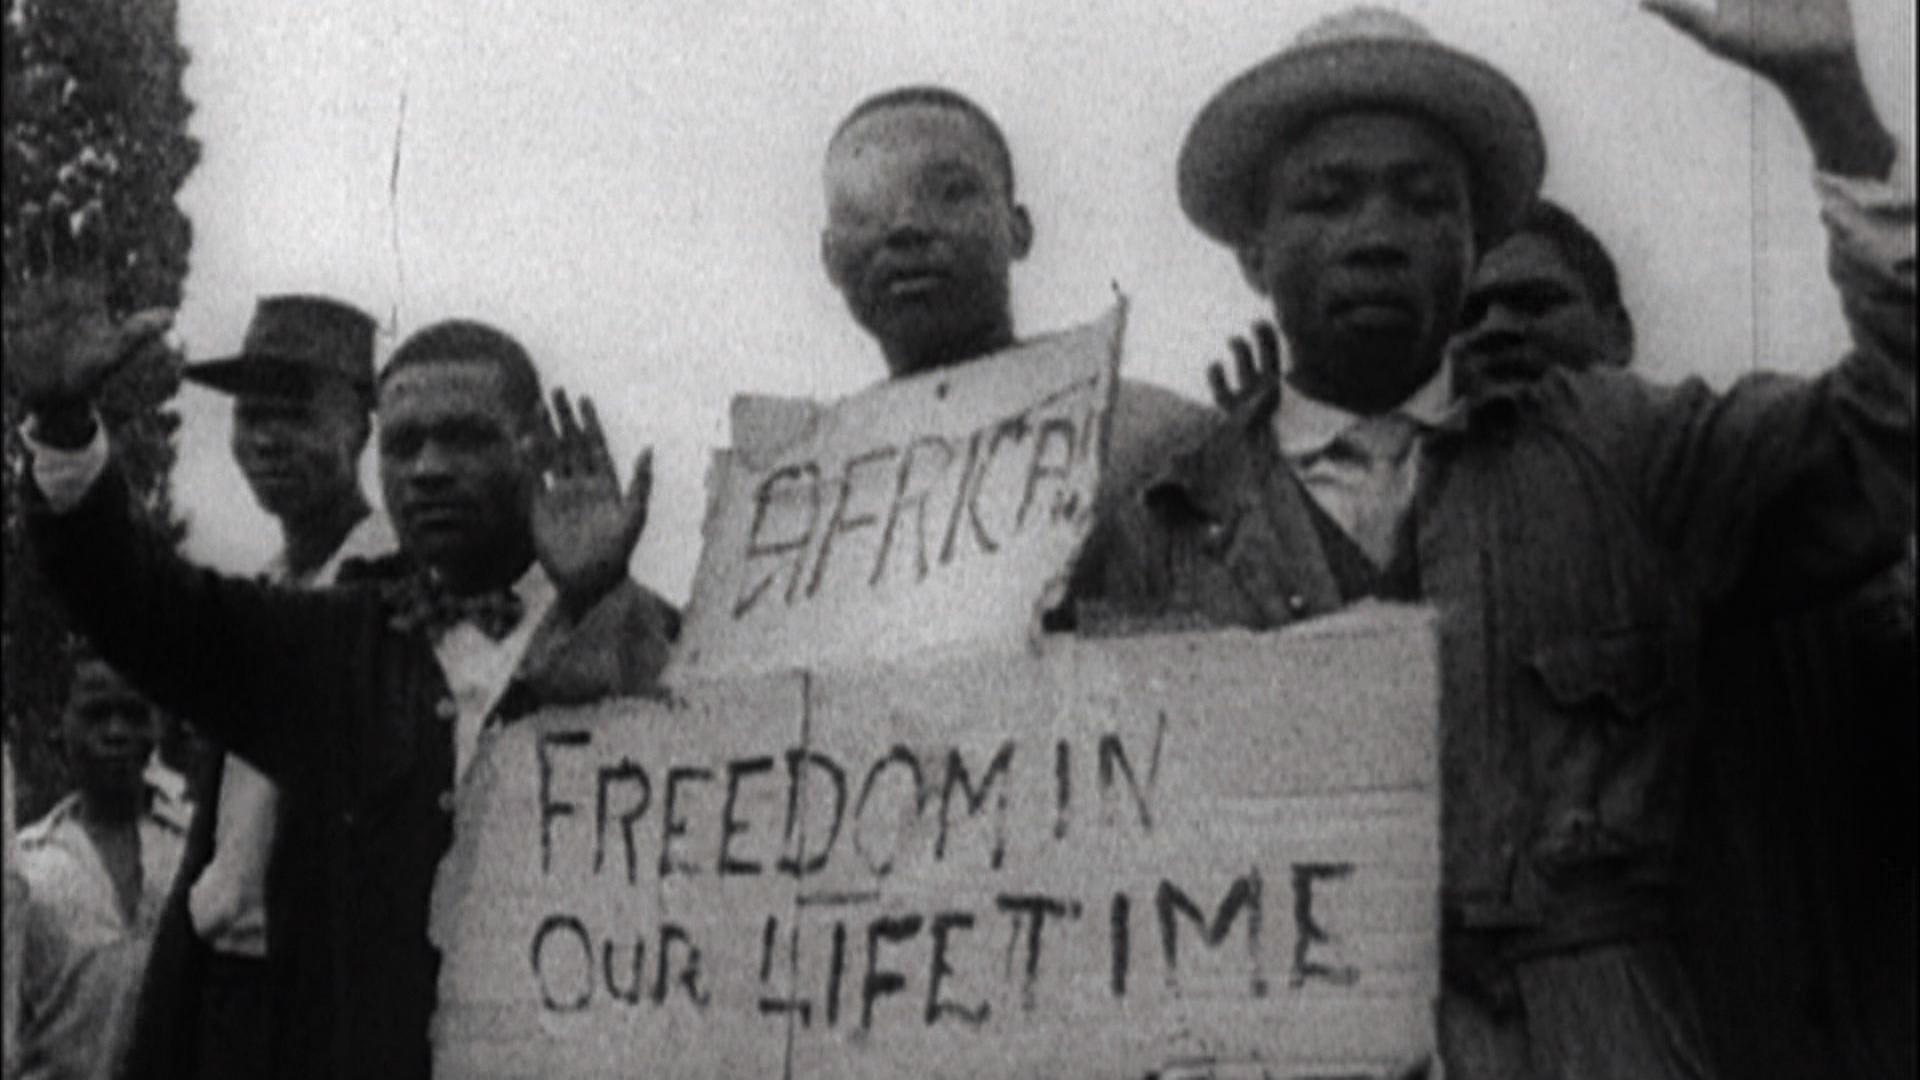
(1257, 365)
(584, 528)
(62, 345)
(1774, 38)
(1806, 48)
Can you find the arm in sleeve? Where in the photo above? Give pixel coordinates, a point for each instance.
(1789, 488)
(245, 660)
(616, 649)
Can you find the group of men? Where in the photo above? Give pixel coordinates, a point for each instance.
(1454, 425)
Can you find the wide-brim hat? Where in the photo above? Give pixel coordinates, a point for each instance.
(292, 344)
(1361, 59)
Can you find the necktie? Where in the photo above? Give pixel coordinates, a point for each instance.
(1378, 453)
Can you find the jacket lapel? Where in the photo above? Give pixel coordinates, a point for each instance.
(1253, 532)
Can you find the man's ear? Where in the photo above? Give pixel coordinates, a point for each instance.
(1619, 329)
(830, 257)
(1022, 231)
(1253, 264)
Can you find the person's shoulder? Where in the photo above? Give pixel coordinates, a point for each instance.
(42, 831)
(47, 858)
(1150, 426)
(1147, 410)
(653, 610)
(373, 538)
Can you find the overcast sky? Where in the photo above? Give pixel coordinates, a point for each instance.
(632, 188)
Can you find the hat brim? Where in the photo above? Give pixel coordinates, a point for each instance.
(1249, 120)
(257, 374)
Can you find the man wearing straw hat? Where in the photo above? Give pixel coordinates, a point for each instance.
(1571, 530)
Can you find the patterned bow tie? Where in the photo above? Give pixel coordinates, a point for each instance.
(421, 603)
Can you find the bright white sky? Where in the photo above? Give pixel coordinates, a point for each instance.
(632, 188)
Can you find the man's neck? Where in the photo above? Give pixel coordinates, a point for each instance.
(909, 358)
(497, 569)
(311, 539)
(109, 809)
(1361, 397)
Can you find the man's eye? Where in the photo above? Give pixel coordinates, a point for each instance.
(1315, 197)
(1432, 197)
(959, 189)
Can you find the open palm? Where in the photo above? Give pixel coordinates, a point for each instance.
(584, 527)
(61, 343)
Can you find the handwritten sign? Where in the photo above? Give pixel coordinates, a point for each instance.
(927, 511)
(1109, 858)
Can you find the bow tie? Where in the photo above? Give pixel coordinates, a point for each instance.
(422, 603)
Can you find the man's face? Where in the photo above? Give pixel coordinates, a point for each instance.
(1365, 249)
(921, 229)
(300, 449)
(457, 462)
(1527, 310)
(109, 730)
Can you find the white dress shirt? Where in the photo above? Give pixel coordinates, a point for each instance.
(1368, 499)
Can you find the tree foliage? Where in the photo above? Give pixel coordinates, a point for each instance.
(96, 147)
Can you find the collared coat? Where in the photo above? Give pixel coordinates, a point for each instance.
(347, 713)
(1572, 535)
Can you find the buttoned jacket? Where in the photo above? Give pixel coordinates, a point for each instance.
(347, 713)
(1571, 534)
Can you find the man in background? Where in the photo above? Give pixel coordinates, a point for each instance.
(1548, 294)
(97, 869)
(216, 1003)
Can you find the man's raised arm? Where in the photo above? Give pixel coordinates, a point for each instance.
(219, 650)
(1792, 487)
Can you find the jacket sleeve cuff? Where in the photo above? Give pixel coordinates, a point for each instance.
(64, 477)
(1872, 221)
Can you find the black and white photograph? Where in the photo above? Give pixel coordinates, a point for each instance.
(1218, 541)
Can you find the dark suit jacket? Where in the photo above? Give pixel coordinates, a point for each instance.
(353, 719)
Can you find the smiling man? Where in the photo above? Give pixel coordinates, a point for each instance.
(367, 701)
(1572, 530)
(923, 230)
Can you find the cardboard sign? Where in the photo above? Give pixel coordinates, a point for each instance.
(929, 511)
(1194, 850)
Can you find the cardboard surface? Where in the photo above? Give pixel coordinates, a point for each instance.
(1104, 859)
(925, 512)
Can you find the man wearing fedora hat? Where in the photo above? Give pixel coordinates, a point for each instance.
(1572, 530)
(213, 1001)
(366, 702)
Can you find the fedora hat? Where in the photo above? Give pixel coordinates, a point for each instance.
(291, 343)
(1362, 58)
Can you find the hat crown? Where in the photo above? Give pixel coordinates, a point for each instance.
(1363, 23)
(314, 332)
(293, 339)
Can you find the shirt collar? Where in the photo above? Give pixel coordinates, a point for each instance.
(370, 537)
(1305, 425)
